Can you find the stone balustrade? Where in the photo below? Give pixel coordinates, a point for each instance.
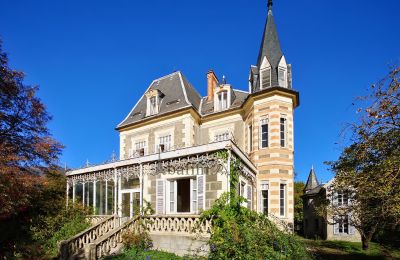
(113, 241)
(107, 236)
(68, 248)
(95, 219)
(183, 224)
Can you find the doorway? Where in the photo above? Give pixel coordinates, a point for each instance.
(130, 203)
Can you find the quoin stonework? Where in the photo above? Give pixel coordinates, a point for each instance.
(172, 140)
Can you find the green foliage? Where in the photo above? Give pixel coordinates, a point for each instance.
(240, 233)
(298, 205)
(140, 240)
(51, 229)
(134, 253)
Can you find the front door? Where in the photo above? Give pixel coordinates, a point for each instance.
(130, 203)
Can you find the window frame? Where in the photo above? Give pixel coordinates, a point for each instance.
(264, 187)
(263, 122)
(282, 199)
(283, 132)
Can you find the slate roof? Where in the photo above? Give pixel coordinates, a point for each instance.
(271, 49)
(177, 93)
(312, 181)
(238, 98)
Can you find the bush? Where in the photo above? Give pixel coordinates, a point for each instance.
(140, 240)
(52, 229)
(240, 233)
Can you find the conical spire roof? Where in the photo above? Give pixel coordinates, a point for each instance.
(312, 181)
(270, 45)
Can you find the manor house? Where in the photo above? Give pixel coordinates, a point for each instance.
(177, 148)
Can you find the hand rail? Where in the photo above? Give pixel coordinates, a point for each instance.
(67, 248)
(103, 246)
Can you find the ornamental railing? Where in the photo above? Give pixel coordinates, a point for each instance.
(75, 245)
(106, 245)
(179, 225)
(96, 219)
(182, 224)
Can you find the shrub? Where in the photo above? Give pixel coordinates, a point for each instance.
(240, 233)
(140, 240)
(52, 229)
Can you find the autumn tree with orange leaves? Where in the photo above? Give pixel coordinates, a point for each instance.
(369, 168)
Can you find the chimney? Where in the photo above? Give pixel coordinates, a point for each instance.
(212, 83)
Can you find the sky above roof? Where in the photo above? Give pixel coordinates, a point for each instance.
(94, 59)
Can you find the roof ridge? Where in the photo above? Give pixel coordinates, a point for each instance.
(166, 76)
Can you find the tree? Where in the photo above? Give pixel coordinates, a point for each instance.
(298, 205)
(28, 155)
(369, 169)
(25, 141)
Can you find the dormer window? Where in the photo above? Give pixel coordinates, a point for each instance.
(266, 78)
(265, 74)
(153, 106)
(282, 77)
(282, 73)
(222, 100)
(153, 102)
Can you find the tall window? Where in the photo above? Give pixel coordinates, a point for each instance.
(153, 106)
(343, 225)
(342, 198)
(241, 190)
(165, 143)
(264, 197)
(222, 100)
(221, 137)
(282, 199)
(266, 78)
(264, 133)
(194, 194)
(283, 126)
(282, 77)
(172, 196)
(140, 148)
(250, 137)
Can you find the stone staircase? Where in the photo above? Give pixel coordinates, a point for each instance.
(177, 234)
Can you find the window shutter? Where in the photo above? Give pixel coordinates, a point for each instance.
(336, 228)
(160, 197)
(352, 229)
(335, 198)
(266, 78)
(200, 192)
(249, 197)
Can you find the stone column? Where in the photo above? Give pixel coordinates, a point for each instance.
(141, 188)
(94, 197)
(83, 193)
(119, 197)
(115, 192)
(67, 193)
(106, 203)
(73, 192)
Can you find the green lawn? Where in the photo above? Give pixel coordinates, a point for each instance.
(348, 250)
(141, 255)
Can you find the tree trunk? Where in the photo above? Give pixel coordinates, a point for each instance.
(365, 242)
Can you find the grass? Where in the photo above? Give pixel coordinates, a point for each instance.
(134, 253)
(349, 250)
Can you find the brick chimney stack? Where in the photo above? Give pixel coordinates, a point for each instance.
(212, 83)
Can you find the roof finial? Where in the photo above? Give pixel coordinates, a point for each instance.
(270, 4)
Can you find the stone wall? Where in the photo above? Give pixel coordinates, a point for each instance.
(181, 244)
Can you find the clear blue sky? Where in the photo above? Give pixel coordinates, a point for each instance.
(93, 60)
